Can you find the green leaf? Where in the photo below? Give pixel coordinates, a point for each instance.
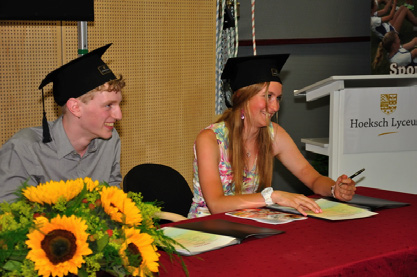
(76, 202)
(102, 242)
(12, 265)
(82, 272)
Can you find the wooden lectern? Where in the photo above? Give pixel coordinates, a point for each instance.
(394, 170)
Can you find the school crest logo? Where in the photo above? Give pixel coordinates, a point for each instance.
(388, 103)
(103, 69)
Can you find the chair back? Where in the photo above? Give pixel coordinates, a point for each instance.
(161, 183)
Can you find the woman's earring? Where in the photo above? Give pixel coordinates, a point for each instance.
(242, 115)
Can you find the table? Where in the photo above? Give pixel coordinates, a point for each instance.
(382, 245)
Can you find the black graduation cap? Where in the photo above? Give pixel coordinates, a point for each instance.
(79, 76)
(244, 71)
(76, 78)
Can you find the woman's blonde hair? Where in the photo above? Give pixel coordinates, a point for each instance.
(385, 44)
(235, 124)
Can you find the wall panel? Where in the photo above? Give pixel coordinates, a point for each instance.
(165, 50)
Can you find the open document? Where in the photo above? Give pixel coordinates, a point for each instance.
(331, 210)
(196, 242)
(210, 234)
(266, 215)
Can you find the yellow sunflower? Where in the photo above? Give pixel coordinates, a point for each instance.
(91, 185)
(58, 246)
(52, 191)
(119, 206)
(138, 253)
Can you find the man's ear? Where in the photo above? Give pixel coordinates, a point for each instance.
(73, 105)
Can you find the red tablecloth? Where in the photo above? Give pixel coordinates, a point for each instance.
(382, 245)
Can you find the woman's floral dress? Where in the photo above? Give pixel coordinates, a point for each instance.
(250, 178)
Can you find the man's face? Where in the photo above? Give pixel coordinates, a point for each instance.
(99, 114)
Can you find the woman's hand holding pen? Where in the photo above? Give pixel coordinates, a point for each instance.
(344, 188)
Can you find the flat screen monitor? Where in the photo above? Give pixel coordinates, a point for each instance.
(62, 10)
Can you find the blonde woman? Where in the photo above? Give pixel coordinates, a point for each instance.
(233, 162)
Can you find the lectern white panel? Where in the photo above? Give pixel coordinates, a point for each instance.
(380, 119)
(365, 112)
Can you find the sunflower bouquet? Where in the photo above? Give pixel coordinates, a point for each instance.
(79, 228)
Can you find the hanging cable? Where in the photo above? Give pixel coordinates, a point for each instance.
(226, 45)
(219, 57)
(236, 35)
(253, 26)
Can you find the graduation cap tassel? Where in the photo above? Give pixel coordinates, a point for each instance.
(46, 135)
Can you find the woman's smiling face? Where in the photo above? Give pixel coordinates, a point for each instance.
(265, 104)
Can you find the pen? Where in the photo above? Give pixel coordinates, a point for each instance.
(357, 173)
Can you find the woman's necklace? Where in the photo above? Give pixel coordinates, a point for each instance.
(248, 152)
(252, 145)
(250, 166)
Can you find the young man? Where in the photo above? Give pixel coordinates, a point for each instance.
(80, 143)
